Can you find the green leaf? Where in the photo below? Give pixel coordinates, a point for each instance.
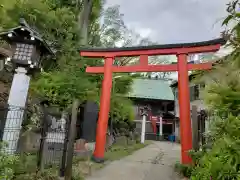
(227, 20)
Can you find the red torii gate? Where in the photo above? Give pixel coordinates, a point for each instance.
(181, 51)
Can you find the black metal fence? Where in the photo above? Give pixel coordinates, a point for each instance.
(11, 130)
(44, 139)
(54, 140)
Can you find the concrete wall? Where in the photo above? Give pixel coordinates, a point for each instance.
(207, 79)
(177, 131)
(200, 106)
(149, 128)
(199, 103)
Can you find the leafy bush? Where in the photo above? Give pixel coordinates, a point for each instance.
(77, 175)
(46, 175)
(27, 164)
(223, 160)
(184, 170)
(22, 167)
(7, 163)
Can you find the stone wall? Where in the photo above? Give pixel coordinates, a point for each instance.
(29, 142)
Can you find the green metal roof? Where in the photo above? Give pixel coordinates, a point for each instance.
(151, 89)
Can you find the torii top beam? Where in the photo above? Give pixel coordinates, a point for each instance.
(166, 49)
(145, 51)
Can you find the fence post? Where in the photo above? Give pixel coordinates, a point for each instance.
(72, 135)
(195, 128)
(44, 127)
(3, 116)
(65, 147)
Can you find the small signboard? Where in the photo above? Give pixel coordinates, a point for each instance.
(54, 143)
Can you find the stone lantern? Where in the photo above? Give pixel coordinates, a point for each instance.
(28, 49)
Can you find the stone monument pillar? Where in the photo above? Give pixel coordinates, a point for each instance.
(16, 102)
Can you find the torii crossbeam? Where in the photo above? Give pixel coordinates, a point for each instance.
(182, 67)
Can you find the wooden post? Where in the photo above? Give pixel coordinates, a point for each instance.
(195, 128)
(72, 135)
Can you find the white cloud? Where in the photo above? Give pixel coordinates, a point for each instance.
(144, 32)
(173, 21)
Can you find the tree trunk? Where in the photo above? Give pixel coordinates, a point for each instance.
(84, 19)
(80, 16)
(83, 24)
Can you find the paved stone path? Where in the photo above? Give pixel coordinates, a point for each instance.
(154, 162)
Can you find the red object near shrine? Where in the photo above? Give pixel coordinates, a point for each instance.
(182, 67)
(154, 120)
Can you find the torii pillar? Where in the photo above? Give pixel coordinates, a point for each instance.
(181, 51)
